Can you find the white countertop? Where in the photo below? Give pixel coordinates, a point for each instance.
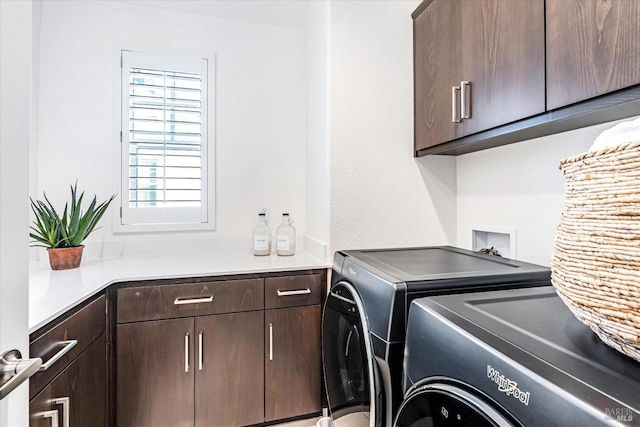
(52, 293)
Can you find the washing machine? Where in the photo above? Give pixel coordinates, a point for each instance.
(512, 358)
(364, 317)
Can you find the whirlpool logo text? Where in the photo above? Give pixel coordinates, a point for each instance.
(507, 386)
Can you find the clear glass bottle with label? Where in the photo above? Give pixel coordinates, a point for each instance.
(262, 236)
(285, 237)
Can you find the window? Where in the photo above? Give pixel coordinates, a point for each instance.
(165, 164)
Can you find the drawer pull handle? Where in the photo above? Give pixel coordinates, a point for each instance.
(294, 292)
(181, 301)
(68, 345)
(53, 414)
(66, 406)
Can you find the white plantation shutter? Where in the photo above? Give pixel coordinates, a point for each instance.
(164, 140)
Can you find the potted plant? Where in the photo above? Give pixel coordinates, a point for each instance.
(63, 235)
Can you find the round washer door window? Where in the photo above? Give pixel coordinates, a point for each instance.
(444, 405)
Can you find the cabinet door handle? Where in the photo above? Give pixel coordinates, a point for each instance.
(182, 301)
(186, 352)
(200, 356)
(465, 99)
(294, 292)
(455, 104)
(53, 414)
(66, 409)
(270, 341)
(68, 345)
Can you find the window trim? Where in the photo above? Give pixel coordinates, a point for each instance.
(207, 218)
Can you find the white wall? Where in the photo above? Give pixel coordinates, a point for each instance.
(260, 114)
(379, 195)
(519, 186)
(319, 124)
(317, 154)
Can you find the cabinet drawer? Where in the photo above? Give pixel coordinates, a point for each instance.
(292, 291)
(157, 302)
(84, 326)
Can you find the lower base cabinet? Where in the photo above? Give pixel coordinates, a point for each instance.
(154, 384)
(230, 380)
(71, 387)
(77, 396)
(208, 352)
(292, 362)
(204, 371)
(218, 352)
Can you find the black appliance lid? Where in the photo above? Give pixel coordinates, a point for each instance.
(443, 263)
(536, 321)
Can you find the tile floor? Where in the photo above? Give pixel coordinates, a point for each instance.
(351, 420)
(311, 422)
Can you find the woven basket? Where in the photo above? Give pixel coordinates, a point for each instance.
(595, 266)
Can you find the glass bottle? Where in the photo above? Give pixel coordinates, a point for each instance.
(285, 237)
(262, 236)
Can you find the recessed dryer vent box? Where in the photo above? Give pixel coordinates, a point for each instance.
(501, 239)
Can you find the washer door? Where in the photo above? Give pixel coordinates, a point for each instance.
(440, 404)
(349, 368)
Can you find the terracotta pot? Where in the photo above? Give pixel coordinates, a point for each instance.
(65, 258)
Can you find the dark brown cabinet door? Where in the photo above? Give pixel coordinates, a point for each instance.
(155, 374)
(592, 48)
(503, 59)
(79, 392)
(292, 362)
(40, 409)
(495, 45)
(437, 68)
(229, 370)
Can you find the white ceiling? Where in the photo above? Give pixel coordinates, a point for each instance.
(291, 14)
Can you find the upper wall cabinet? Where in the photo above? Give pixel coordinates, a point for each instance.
(480, 70)
(593, 48)
(478, 65)
(437, 69)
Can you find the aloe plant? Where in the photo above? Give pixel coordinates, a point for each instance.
(51, 230)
